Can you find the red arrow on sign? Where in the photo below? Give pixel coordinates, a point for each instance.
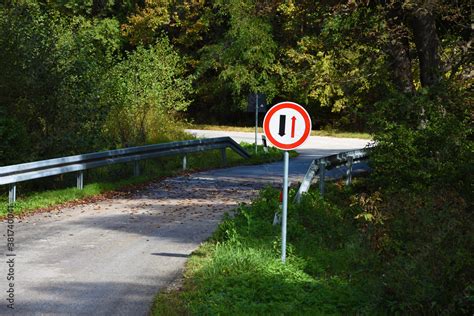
(293, 119)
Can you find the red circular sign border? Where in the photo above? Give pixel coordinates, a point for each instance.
(296, 107)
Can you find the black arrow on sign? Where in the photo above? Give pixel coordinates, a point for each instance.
(281, 131)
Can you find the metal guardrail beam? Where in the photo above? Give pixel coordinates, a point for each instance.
(320, 165)
(78, 163)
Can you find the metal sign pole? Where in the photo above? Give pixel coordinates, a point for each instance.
(256, 121)
(285, 206)
(275, 127)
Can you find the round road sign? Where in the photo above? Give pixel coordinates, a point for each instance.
(287, 125)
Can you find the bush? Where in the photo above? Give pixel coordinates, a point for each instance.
(143, 92)
(423, 141)
(51, 66)
(66, 89)
(428, 256)
(422, 165)
(14, 140)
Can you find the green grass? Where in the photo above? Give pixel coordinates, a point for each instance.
(326, 132)
(329, 270)
(31, 196)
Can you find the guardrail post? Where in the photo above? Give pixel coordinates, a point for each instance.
(12, 193)
(136, 168)
(224, 156)
(308, 178)
(264, 142)
(322, 174)
(350, 161)
(185, 162)
(80, 180)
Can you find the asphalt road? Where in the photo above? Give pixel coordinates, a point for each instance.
(314, 147)
(113, 256)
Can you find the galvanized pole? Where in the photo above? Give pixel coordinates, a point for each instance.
(322, 175)
(256, 121)
(12, 193)
(136, 168)
(185, 162)
(264, 143)
(80, 180)
(350, 161)
(223, 156)
(285, 207)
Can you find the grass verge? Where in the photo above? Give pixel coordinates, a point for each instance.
(327, 132)
(329, 269)
(51, 192)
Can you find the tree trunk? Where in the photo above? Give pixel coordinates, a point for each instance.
(399, 49)
(427, 46)
(401, 63)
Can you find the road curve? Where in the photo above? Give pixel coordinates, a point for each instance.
(113, 256)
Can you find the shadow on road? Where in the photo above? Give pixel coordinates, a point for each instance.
(167, 254)
(90, 298)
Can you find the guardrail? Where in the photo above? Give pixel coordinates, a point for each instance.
(320, 165)
(45, 168)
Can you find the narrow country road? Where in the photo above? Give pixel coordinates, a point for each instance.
(113, 256)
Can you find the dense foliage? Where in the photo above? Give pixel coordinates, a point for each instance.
(82, 75)
(142, 92)
(418, 204)
(78, 76)
(67, 85)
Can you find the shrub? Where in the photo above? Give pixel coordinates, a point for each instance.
(14, 140)
(51, 69)
(143, 92)
(422, 165)
(423, 141)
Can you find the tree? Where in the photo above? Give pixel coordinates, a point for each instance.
(142, 93)
(398, 47)
(424, 20)
(417, 17)
(51, 68)
(427, 44)
(185, 23)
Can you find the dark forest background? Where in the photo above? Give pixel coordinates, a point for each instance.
(82, 76)
(79, 76)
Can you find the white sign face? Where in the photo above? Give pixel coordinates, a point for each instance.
(287, 125)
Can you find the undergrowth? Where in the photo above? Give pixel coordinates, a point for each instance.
(347, 254)
(239, 270)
